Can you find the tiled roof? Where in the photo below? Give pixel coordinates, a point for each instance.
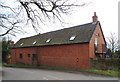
(78, 34)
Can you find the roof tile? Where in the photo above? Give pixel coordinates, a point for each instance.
(83, 34)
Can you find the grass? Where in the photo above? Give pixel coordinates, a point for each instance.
(112, 73)
(30, 66)
(19, 66)
(0, 64)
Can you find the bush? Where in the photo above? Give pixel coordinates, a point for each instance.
(105, 64)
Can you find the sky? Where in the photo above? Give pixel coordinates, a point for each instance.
(107, 12)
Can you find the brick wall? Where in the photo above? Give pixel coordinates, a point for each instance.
(99, 35)
(15, 55)
(69, 56)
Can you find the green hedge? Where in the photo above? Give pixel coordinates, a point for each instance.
(105, 64)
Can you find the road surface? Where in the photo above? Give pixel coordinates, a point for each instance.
(43, 74)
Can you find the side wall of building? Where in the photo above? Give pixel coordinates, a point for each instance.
(74, 56)
(15, 55)
(69, 56)
(97, 33)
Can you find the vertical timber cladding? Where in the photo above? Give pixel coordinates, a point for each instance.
(69, 56)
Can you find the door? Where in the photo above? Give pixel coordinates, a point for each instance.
(34, 59)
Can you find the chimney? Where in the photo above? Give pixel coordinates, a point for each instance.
(95, 18)
(12, 43)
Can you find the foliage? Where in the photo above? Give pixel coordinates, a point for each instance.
(6, 45)
(105, 64)
(113, 73)
(108, 51)
(117, 52)
(111, 54)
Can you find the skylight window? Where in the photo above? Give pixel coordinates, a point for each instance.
(34, 42)
(72, 37)
(21, 44)
(48, 40)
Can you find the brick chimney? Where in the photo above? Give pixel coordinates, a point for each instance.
(12, 43)
(95, 18)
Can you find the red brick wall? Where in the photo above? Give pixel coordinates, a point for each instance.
(65, 56)
(24, 51)
(70, 56)
(100, 42)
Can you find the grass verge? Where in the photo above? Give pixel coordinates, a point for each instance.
(30, 66)
(112, 73)
(0, 64)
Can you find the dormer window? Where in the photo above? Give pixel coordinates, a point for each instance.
(34, 42)
(48, 40)
(72, 37)
(21, 44)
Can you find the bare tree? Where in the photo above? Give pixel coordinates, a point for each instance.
(37, 12)
(112, 42)
(8, 20)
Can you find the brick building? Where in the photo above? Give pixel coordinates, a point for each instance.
(69, 47)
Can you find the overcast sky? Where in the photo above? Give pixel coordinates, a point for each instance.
(107, 12)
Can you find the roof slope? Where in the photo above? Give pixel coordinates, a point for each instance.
(82, 33)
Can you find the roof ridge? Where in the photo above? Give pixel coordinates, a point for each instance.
(67, 28)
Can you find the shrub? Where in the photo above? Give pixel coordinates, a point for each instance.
(105, 64)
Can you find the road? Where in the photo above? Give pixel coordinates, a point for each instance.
(43, 74)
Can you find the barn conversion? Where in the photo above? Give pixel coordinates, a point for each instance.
(70, 47)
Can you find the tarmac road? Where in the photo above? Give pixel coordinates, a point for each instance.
(43, 74)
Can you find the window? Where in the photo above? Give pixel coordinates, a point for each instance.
(34, 42)
(72, 37)
(21, 56)
(96, 44)
(98, 35)
(28, 55)
(21, 44)
(96, 41)
(48, 40)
